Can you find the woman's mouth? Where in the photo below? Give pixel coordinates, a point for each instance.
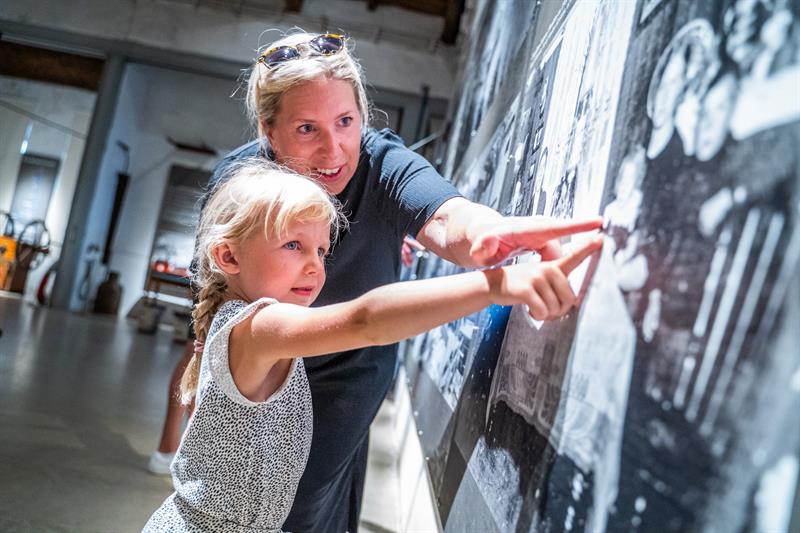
(328, 174)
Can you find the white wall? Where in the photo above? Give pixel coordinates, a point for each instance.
(66, 106)
(12, 132)
(155, 104)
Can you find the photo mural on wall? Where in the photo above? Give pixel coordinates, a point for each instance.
(670, 400)
(447, 353)
(497, 31)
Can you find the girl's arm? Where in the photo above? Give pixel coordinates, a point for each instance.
(395, 312)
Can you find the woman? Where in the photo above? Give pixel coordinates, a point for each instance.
(306, 96)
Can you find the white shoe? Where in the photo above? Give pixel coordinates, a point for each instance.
(159, 463)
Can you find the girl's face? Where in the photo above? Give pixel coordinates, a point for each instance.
(317, 132)
(291, 269)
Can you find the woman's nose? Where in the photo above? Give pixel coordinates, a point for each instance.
(329, 143)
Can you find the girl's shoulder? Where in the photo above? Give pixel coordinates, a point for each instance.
(223, 315)
(216, 367)
(234, 312)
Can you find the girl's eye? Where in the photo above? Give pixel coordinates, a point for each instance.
(292, 245)
(321, 252)
(346, 121)
(305, 128)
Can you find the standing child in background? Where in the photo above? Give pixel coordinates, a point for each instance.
(261, 247)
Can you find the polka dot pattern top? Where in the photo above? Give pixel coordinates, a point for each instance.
(239, 462)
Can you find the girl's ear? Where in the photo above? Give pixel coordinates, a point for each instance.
(226, 258)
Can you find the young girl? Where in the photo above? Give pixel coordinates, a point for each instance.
(261, 247)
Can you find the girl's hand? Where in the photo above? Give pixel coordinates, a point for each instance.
(543, 287)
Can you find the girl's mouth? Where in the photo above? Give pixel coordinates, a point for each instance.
(303, 291)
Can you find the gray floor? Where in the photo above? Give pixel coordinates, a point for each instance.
(81, 398)
(81, 404)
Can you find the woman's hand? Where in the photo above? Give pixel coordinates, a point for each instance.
(511, 236)
(543, 287)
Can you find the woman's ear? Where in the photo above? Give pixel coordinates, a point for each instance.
(268, 132)
(226, 258)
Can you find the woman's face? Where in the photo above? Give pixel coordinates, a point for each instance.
(317, 132)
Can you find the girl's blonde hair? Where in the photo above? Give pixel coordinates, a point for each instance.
(259, 195)
(267, 84)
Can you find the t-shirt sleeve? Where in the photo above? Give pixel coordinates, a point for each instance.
(411, 189)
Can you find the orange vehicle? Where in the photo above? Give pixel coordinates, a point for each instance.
(8, 254)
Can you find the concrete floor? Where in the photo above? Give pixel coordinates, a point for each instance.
(81, 403)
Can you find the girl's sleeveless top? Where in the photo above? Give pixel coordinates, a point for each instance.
(239, 461)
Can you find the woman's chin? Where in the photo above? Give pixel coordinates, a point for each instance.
(334, 183)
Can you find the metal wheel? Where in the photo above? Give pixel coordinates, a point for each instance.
(6, 224)
(33, 244)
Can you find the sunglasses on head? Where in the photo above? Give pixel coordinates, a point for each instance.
(325, 45)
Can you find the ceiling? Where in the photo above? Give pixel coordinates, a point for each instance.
(450, 11)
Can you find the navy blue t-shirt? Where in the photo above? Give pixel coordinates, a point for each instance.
(393, 192)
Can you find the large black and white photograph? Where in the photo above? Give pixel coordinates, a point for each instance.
(704, 223)
(497, 35)
(441, 358)
(654, 125)
(530, 153)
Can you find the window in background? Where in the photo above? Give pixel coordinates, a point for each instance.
(174, 242)
(35, 183)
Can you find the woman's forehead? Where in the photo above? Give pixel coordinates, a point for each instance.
(321, 96)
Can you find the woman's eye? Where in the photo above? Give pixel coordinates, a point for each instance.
(292, 245)
(346, 121)
(305, 128)
(321, 252)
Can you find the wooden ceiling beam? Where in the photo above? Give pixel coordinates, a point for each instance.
(293, 6)
(452, 20)
(450, 10)
(22, 61)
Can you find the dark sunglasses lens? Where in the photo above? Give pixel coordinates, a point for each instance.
(327, 44)
(279, 55)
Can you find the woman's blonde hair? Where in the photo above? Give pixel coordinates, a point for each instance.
(267, 84)
(259, 195)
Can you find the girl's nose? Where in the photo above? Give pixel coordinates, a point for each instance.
(314, 264)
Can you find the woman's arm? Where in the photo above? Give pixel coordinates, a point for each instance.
(394, 312)
(474, 235)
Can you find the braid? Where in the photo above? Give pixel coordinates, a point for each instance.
(211, 297)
